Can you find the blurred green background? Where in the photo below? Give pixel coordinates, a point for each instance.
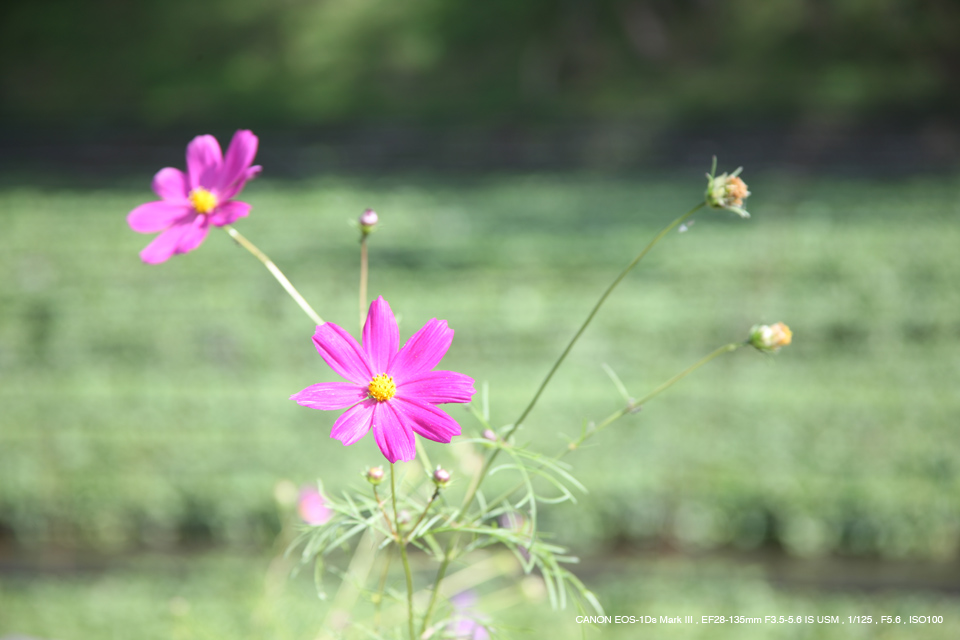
(145, 422)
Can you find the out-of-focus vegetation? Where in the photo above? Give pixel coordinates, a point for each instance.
(306, 62)
(219, 596)
(147, 405)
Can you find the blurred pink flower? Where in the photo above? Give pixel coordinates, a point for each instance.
(191, 202)
(390, 390)
(313, 508)
(466, 623)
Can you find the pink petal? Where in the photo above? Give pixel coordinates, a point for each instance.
(203, 162)
(165, 244)
(381, 337)
(342, 353)
(354, 423)
(194, 235)
(429, 421)
(240, 154)
(249, 174)
(393, 437)
(171, 184)
(228, 212)
(330, 395)
(423, 351)
(156, 216)
(437, 387)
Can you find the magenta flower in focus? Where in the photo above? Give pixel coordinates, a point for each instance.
(390, 390)
(190, 202)
(313, 508)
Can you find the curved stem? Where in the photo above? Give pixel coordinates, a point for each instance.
(403, 554)
(632, 407)
(481, 474)
(272, 268)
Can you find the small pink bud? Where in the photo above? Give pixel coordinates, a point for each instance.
(404, 517)
(441, 477)
(375, 475)
(490, 435)
(368, 220)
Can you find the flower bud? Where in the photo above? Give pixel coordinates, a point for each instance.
(770, 337)
(374, 475)
(727, 191)
(404, 517)
(441, 477)
(490, 435)
(368, 221)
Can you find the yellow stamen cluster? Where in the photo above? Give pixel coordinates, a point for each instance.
(735, 191)
(203, 201)
(382, 387)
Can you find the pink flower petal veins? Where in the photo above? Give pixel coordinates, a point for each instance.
(328, 396)
(423, 351)
(171, 184)
(157, 216)
(437, 387)
(339, 350)
(204, 159)
(393, 437)
(433, 423)
(354, 423)
(381, 337)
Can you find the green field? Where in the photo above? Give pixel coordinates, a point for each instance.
(144, 406)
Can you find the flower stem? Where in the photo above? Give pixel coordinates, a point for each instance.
(488, 462)
(363, 280)
(403, 553)
(631, 407)
(272, 268)
(593, 312)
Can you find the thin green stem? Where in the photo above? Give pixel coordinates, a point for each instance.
(363, 280)
(593, 312)
(272, 268)
(637, 404)
(631, 407)
(488, 462)
(416, 524)
(403, 554)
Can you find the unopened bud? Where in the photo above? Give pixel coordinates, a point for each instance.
(441, 477)
(490, 435)
(368, 220)
(770, 337)
(727, 191)
(403, 517)
(374, 475)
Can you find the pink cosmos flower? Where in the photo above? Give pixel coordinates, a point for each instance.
(312, 507)
(191, 202)
(390, 390)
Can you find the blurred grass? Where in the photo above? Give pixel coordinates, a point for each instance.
(145, 405)
(228, 596)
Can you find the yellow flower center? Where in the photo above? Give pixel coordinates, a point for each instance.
(203, 201)
(382, 388)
